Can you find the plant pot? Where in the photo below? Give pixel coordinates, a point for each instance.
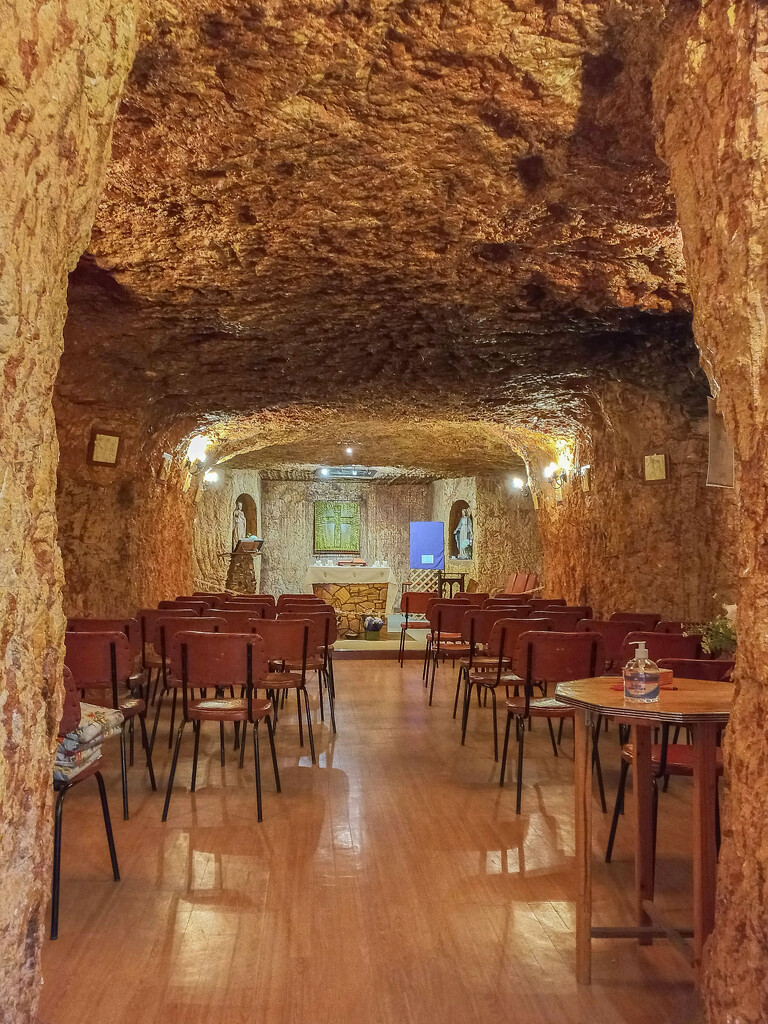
(372, 634)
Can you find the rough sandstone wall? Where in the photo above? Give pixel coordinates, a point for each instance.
(213, 524)
(385, 513)
(125, 534)
(443, 494)
(63, 66)
(712, 114)
(507, 532)
(626, 544)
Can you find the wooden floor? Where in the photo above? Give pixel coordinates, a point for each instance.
(390, 883)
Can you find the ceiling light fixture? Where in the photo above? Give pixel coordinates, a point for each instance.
(211, 476)
(348, 451)
(324, 471)
(517, 483)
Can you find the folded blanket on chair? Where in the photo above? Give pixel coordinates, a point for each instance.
(65, 773)
(96, 725)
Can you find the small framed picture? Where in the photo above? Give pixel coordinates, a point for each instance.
(655, 468)
(586, 479)
(104, 448)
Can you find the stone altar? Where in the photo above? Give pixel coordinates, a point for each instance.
(352, 592)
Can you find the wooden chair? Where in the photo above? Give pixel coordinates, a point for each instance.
(237, 620)
(542, 603)
(322, 636)
(473, 598)
(70, 720)
(476, 627)
(648, 619)
(309, 598)
(699, 668)
(662, 645)
(219, 661)
(413, 603)
(256, 608)
(287, 642)
(201, 607)
(495, 668)
(103, 661)
(565, 620)
(444, 641)
(511, 611)
(166, 628)
(614, 633)
(542, 658)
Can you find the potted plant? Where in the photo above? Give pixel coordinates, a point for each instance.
(372, 626)
(718, 637)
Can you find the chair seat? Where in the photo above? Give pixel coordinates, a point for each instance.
(415, 625)
(227, 709)
(128, 705)
(445, 637)
(87, 773)
(489, 678)
(539, 707)
(283, 680)
(452, 650)
(485, 661)
(679, 757)
(314, 664)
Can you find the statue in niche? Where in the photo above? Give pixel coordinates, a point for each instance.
(463, 535)
(239, 527)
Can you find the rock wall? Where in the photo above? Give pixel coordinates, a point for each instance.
(126, 534)
(444, 493)
(213, 525)
(62, 72)
(710, 98)
(287, 508)
(631, 545)
(507, 532)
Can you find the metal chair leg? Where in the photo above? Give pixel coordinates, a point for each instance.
(495, 725)
(617, 808)
(271, 735)
(552, 736)
(57, 862)
(173, 718)
(242, 744)
(332, 705)
(301, 727)
(157, 719)
(596, 765)
(320, 692)
(196, 730)
(124, 772)
(458, 687)
(257, 767)
(504, 751)
(108, 826)
(147, 750)
(221, 742)
(432, 680)
(465, 709)
(173, 770)
(309, 723)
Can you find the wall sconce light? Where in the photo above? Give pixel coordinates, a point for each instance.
(520, 485)
(556, 474)
(211, 476)
(197, 452)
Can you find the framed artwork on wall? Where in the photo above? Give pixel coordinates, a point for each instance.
(104, 448)
(655, 468)
(337, 528)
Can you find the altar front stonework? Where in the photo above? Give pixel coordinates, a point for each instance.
(352, 592)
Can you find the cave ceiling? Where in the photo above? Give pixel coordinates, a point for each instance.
(454, 209)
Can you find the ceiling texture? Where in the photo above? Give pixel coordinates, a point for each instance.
(393, 212)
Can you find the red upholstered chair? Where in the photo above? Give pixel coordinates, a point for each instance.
(648, 619)
(445, 619)
(103, 661)
(322, 636)
(287, 641)
(542, 658)
(201, 607)
(148, 618)
(413, 605)
(542, 603)
(297, 597)
(129, 626)
(70, 719)
(495, 669)
(219, 661)
(613, 632)
(166, 628)
(662, 645)
(699, 668)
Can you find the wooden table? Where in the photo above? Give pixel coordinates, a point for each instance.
(699, 705)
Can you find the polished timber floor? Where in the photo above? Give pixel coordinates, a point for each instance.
(390, 883)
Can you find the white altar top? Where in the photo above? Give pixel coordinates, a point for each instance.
(349, 574)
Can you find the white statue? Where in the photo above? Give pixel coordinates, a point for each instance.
(239, 527)
(463, 535)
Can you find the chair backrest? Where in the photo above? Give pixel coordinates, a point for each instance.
(167, 628)
(259, 609)
(269, 598)
(297, 597)
(285, 639)
(565, 620)
(549, 602)
(218, 659)
(148, 618)
(477, 624)
(446, 616)
(558, 657)
(663, 645)
(669, 626)
(613, 632)
(414, 602)
(648, 619)
(237, 620)
(298, 606)
(584, 610)
(100, 660)
(510, 599)
(516, 583)
(699, 668)
(214, 600)
(201, 607)
(130, 627)
(510, 611)
(508, 632)
(475, 599)
(323, 632)
(70, 712)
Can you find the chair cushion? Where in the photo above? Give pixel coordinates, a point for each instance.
(415, 625)
(131, 706)
(489, 678)
(539, 707)
(227, 709)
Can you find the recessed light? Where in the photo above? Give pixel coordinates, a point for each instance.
(517, 483)
(211, 476)
(348, 451)
(324, 471)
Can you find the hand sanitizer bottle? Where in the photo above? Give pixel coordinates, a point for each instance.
(641, 676)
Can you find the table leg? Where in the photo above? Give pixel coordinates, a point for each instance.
(643, 796)
(704, 845)
(583, 789)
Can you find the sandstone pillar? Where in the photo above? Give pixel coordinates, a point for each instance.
(62, 66)
(710, 99)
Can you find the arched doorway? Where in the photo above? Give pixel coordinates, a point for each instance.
(251, 514)
(457, 510)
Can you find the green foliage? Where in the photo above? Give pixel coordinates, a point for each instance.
(719, 635)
